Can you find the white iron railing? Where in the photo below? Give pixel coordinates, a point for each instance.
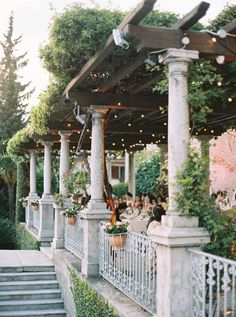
(213, 286)
(74, 237)
(132, 269)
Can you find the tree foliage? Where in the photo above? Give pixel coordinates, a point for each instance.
(8, 175)
(7, 234)
(147, 174)
(13, 94)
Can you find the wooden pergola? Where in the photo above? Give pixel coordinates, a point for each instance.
(136, 115)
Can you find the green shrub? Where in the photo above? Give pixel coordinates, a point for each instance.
(120, 189)
(87, 301)
(7, 234)
(24, 240)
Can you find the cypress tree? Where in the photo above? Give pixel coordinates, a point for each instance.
(13, 93)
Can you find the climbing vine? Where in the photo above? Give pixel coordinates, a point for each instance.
(194, 200)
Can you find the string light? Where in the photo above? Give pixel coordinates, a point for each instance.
(165, 123)
(115, 116)
(212, 131)
(113, 143)
(163, 137)
(69, 125)
(219, 83)
(230, 99)
(153, 135)
(119, 103)
(142, 115)
(129, 124)
(87, 130)
(141, 130)
(122, 140)
(213, 39)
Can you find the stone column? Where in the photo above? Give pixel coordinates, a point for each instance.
(59, 229)
(46, 216)
(96, 211)
(178, 232)
(131, 182)
(32, 194)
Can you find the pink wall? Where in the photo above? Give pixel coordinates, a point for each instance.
(223, 162)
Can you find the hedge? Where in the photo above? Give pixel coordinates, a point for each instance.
(87, 301)
(25, 240)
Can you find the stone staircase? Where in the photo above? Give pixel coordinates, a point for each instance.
(30, 291)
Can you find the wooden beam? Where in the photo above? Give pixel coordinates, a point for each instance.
(119, 101)
(192, 17)
(123, 72)
(134, 17)
(119, 128)
(163, 38)
(148, 82)
(230, 27)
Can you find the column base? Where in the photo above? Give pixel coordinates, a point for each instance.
(177, 220)
(92, 219)
(174, 268)
(58, 243)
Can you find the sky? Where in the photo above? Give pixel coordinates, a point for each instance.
(33, 18)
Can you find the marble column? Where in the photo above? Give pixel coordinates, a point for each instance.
(59, 229)
(96, 211)
(131, 181)
(108, 164)
(177, 233)
(46, 214)
(163, 155)
(32, 194)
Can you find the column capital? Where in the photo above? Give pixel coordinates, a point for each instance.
(48, 143)
(173, 55)
(65, 134)
(98, 111)
(32, 151)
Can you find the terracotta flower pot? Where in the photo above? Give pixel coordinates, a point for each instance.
(71, 220)
(35, 207)
(25, 203)
(117, 241)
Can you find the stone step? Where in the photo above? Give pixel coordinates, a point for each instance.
(35, 313)
(27, 276)
(28, 285)
(11, 269)
(19, 305)
(30, 294)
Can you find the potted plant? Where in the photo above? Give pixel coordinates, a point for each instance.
(35, 205)
(71, 213)
(117, 233)
(24, 201)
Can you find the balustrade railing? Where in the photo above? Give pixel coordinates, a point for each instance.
(132, 268)
(74, 237)
(213, 286)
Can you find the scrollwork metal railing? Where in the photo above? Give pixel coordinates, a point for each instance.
(132, 268)
(74, 237)
(213, 286)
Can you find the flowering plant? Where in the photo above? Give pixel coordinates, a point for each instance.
(35, 203)
(116, 227)
(72, 211)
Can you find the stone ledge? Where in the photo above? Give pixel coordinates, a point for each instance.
(121, 304)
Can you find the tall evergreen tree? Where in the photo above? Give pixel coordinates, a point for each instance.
(13, 94)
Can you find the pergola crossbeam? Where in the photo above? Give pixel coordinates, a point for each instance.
(134, 17)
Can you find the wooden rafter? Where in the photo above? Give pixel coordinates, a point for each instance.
(134, 17)
(119, 101)
(162, 38)
(192, 17)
